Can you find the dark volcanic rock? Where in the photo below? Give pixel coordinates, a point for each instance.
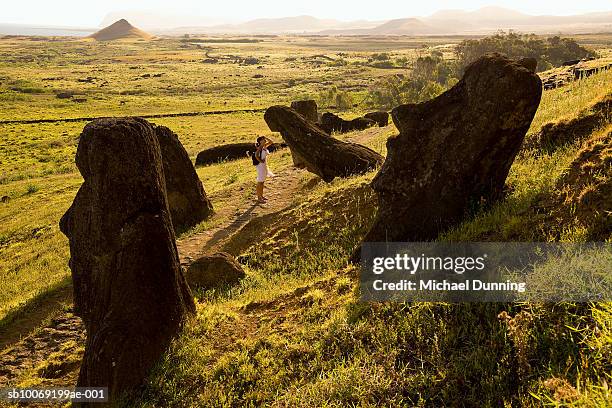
(323, 155)
(186, 196)
(453, 152)
(380, 117)
(529, 63)
(64, 95)
(128, 286)
(333, 123)
(307, 109)
(232, 151)
(213, 271)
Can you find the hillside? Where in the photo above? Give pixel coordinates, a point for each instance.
(120, 29)
(294, 332)
(404, 26)
(483, 20)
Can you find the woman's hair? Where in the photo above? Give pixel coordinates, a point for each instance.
(259, 140)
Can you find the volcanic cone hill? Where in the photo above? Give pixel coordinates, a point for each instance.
(119, 30)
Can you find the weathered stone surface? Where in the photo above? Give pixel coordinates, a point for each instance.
(322, 154)
(186, 196)
(128, 286)
(333, 123)
(453, 152)
(307, 109)
(213, 271)
(380, 117)
(232, 151)
(529, 63)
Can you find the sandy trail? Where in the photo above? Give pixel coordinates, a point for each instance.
(280, 191)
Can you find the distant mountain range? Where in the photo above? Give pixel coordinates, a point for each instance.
(445, 22)
(482, 21)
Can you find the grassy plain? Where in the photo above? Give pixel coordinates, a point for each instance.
(293, 333)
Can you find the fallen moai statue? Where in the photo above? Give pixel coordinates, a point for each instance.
(128, 286)
(322, 154)
(331, 123)
(232, 151)
(454, 151)
(186, 196)
(380, 117)
(307, 109)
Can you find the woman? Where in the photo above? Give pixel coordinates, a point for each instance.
(261, 155)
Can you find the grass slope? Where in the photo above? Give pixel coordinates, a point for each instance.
(293, 334)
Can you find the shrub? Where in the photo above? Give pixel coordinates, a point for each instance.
(549, 52)
(431, 75)
(31, 189)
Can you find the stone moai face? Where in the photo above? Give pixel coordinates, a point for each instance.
(128, 286)
(121, 166)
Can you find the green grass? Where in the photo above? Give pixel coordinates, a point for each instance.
(569, 101)
(293, 332)
(309, 342)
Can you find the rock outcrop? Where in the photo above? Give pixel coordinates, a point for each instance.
(128, 286)
(380, 117)
(232, 151)
(322, 154)
(186, 196)
(454, 152)
(307, 109)
(583, 193)
(331, 123)
(555, 135)
(213, 271)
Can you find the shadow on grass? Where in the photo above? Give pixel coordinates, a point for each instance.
(21, 321)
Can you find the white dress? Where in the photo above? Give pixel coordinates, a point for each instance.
(262, 167)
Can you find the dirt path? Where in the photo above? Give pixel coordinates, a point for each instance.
(280, 191)
(52, 354)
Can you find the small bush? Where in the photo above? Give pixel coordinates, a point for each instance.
(31, 189)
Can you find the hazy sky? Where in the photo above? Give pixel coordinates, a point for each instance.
(90, 13)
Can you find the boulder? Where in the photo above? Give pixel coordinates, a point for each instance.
(213, 271)
(232, 151)
(186, 196)
(322, 154)
(333, 123)
(380, 117)
(307, 109)
(128, 286)
(454, 152)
